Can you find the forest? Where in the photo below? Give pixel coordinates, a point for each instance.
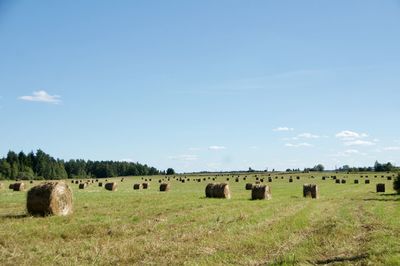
(40, 165)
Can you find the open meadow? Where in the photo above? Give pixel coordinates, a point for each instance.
(350, 224)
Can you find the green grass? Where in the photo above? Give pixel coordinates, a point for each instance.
(348, 225)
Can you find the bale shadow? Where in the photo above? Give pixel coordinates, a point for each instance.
(375, 199)
(391, 194)
(343, 259)
(14, 216)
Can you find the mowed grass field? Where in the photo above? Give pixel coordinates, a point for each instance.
(350, 224)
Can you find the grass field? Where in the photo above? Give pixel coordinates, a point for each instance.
(350, 224)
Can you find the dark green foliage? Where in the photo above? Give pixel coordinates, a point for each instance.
(170, 171)
(43, 166)
(396, 183)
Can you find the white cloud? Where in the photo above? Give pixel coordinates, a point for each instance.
(128, 160)
(283, 129)
(42, 96)
(216, 148)
(348, 153)
(298, 145)
(307, 136)
(359, 143)
(350, 135)
(184, 157)
(392, 148)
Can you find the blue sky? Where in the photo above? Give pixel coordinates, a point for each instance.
(202, 85)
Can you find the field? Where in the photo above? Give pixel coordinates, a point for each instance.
(350, 224)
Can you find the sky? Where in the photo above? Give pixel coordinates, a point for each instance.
(202, 85)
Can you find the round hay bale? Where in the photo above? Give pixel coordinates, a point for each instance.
(269, 179)
(82, 185)
(1, 185)
(137, 186)
(164, 187)
(209, 190)
(20, 186)
(367, 181)
(112, 186)
(145, 185)
(218, 191)
(249, 186)
(380, 188)
(50, 198)
(261, 192)
(72, 181)
(389, 178)
(343, 181)
(323, 178)
(337, 181)
(310, 191)
(100, 184)
(290, 180)
(355, 181)
(76, 182)
(11, 186)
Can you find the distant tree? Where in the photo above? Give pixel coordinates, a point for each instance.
(170, 171)
(251, 170)
(319, 168)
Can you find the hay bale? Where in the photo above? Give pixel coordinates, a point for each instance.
(269, 179)
(310, 190)
(100, 184)
(11, 186)
(261, 192)
(290, 180)
(220, 190)
(366, 181)
(389, 178)
(380, 188)
(337, 181)
(76, 182)
(72, 181)
(137, 186)
(164, 187)
(50, 198)
(112, 186)
(355, 181)
(343, 181)
(145, 185)
(249, 186)
(323, 178)
(298, 177)
(20, 186)
(82, 185)
(159, 181)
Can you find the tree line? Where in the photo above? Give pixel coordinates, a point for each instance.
(40, 165)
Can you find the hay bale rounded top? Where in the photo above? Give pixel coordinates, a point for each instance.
(50, 198)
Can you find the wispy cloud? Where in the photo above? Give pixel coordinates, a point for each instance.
(392, 148)
(359, 143)
(350, 135)
(283, 129)
(298, 145)
(308, 136)
(348, 153)
(184, 157)
(42, 96)
(216, 148)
